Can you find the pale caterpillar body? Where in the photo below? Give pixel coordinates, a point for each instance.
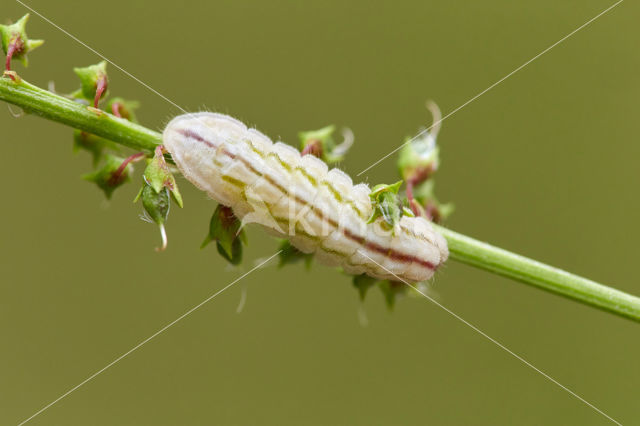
(297, 197)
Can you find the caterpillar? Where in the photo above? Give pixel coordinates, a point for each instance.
(297, 197)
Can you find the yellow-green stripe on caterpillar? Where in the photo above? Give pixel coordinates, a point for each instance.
(297, 197)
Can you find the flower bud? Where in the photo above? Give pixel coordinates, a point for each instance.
(391, 290)
(113, 174)
(156, 204)
(290, 255)
(363, 283)
(15, 42)
(321, 144)
(93, 144)
(386, 204)
(158, 176)
(225, 230)
(94, 82)
(419, 158)
(123, 108)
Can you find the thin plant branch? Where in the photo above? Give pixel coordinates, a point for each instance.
(34, 100)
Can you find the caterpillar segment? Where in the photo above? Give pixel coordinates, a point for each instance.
(297, 197)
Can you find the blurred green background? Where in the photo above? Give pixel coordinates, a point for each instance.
(545, 164)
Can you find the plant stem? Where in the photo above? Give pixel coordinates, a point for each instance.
(485, 256)
(35, 100)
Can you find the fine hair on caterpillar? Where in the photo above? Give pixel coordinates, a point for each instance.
(298, 197)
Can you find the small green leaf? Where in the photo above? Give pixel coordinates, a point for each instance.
(363, 283)
(111, 175)
(391, 290)
(14, 38)
(383, 187)
(407, 212)
(234, 255)
(290, 255)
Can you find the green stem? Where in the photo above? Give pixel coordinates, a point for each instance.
(37, 101)
(485, 256)
(40, 102)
